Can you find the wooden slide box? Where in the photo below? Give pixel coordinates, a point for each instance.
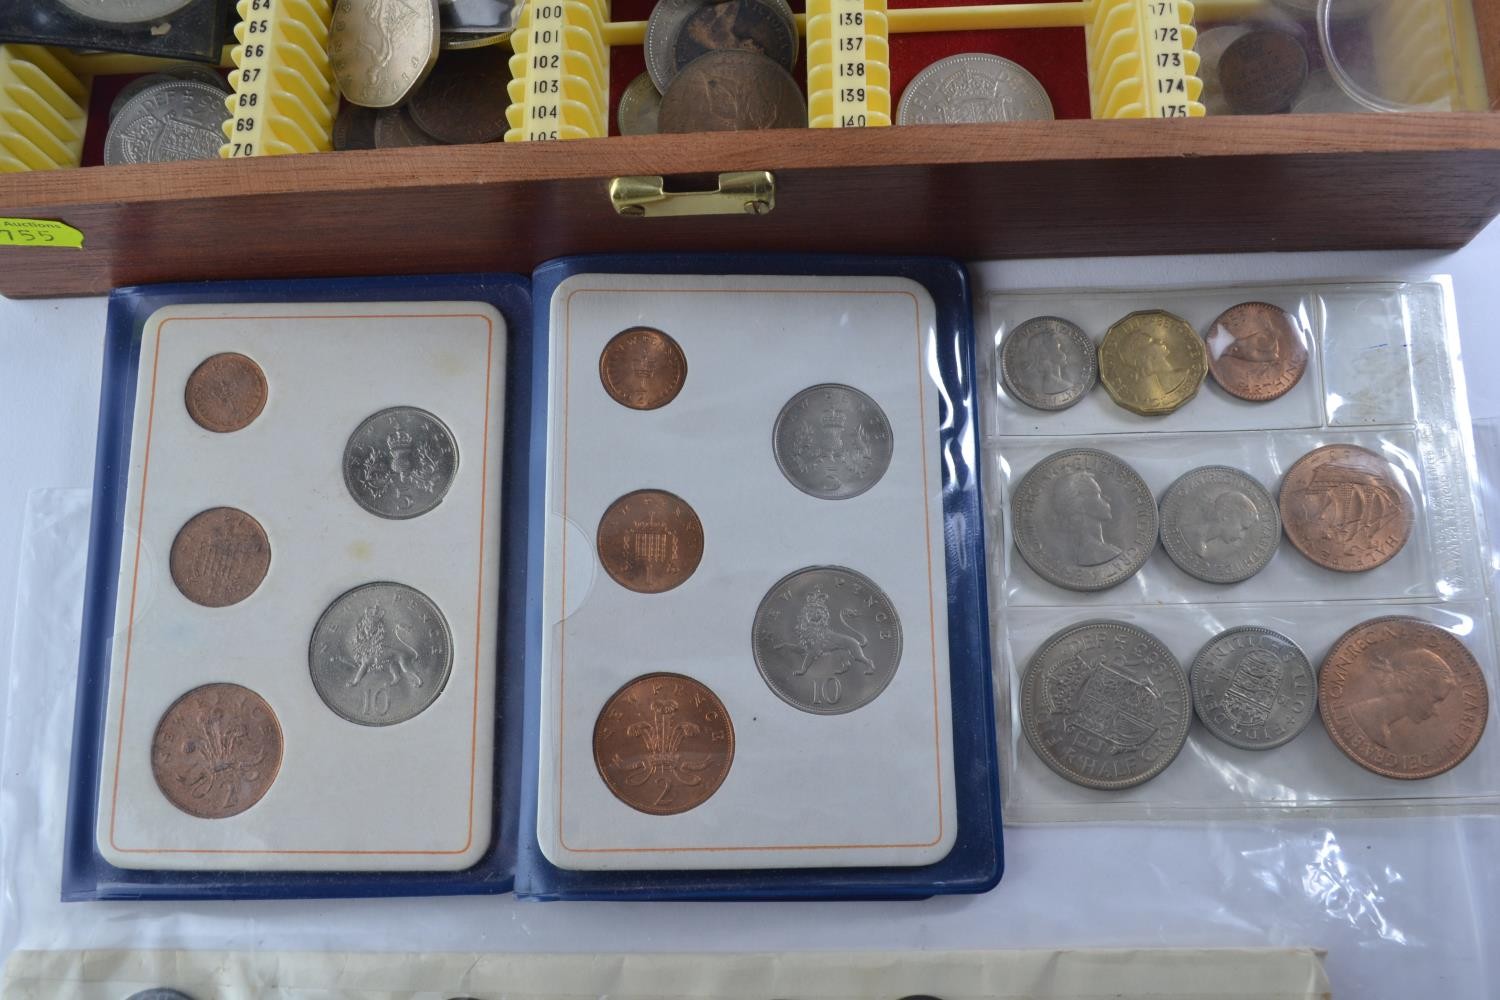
(1032, 189)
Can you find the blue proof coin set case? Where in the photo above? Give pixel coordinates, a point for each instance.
(525, 778)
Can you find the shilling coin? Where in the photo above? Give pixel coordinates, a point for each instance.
(225, 393)
(1253, 688)
(380, 654)
(1343, 509)
(395, 129)
(639, 106)
(732, 90)
(832, 441)
(464, 100)
(216, 751)
(1262, 72)
(758, 26)
(642, 368)
(1048, 363)
(1403, 698)
(400, 462)
(1256, 351)
(219, 557)
(1084, 520)
(382, 50)
(1219, 524)
(125, 11)
(1105, 705)
(650, 541)
(170, 120)
(826, 640)
(1151, 363)
(354, 128)
(973, 87)
(663, 744)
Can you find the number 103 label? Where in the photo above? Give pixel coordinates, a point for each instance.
(851, 103)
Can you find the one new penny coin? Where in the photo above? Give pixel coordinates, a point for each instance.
(219, 557)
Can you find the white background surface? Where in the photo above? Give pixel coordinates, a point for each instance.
(1406, 907)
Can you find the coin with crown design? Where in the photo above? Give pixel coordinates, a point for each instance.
(973, 87)
(400, 462)
(650, 541)
(832, 441)
(642, 368)
(1253, 688)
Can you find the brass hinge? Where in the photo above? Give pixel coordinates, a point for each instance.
(745, 192)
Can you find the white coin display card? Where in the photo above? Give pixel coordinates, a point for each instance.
(791, 549)
(359, 506)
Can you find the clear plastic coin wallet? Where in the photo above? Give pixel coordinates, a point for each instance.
(1346, 498)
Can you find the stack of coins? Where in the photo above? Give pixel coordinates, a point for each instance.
(176, 114)
(973, 87)
(717, 66)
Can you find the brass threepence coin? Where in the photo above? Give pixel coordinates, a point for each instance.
(640, 105)
(219, 557)
(1343, 509)
(1262, 72)
(1403, 698)
(663, 744)
(225, 393)
(382, 50)
(650, 541)
(732, 90)
(1152, 363)
(642, 368)
(1256, 351)
(464, 100)
(216, 751)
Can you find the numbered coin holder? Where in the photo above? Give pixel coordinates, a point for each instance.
(1383, 373)
(421, 806)
(186, 29)
(891, 799)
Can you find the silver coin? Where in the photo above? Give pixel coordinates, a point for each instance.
(832, 441)
(1254, 688)
(1048, 363)
(826, 640)
(181, 71)
(1322, 95)
(639, 106)
(1105, 705)
(168, 121)
(125, 11)
(1219, 524)
(132, 88)
(396, 129)
(667, 19)
(382, 50)
(400, 462)
(973, 87)
(381, 654)
(1084, 520)
(1210, 47)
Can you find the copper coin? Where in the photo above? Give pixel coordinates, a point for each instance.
(396, 129)
(219, 557)
(758, 26)
(1262, 72)
(464, 100)
(650, 541)
(1343, 509)
(1403, 698)
(225, 393)
(642, 368)
(216, 751)
(732, 90)
(1256, 351)
(663, 744)
(354, 128)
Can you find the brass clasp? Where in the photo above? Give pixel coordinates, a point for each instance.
(745, 192)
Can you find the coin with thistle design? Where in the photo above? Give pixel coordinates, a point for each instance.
(400, 462)
(663, 744)
(216, 751)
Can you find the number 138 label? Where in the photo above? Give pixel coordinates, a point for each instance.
(851, 104)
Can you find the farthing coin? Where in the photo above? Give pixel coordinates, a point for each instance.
(1219, 525)
(1048, 363)
(125, 11)
(1343, 509)
(395, 129)
(216, 751)
(758, 26)
(1256, 351)
(219, 557)
(1253, 688)
(650, 541)
(663, 744)
(1403, 698)
(1105, 705)
(1262, 72)
(826, 640)
(732, 90)
(354, 128)
(380, 654)
(465, 98)
(170, 120)
(382, 50)
(640, 105)
(400, 462)
(225, 393)
(973, 87)
(1084, 520)
(642, 368)
(832, 441)
(1152, 362)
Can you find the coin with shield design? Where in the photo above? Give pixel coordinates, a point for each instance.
(832, 441)
(827, 640)
(400, 462)
(1254, 688)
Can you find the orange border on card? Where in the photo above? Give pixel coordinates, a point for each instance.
(926, 533)
(484, 480)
